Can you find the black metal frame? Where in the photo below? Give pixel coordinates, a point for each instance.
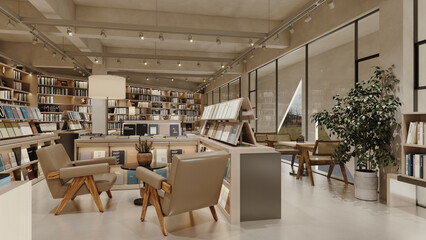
(417, 44)
(223, 85)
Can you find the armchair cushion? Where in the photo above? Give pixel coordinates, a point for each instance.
(81, 171)
(149, 177)
(109, 160)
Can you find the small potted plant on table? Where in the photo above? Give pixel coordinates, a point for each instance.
(144, 156)
(365, 121)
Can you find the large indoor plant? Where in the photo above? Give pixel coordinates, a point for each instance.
(144, 148)
(365, 121)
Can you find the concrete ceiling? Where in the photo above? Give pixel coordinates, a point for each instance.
(235, 23)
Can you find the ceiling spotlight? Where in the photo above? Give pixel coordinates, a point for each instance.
(118, 60)
(161, 37)
(53, 54)
(244, 60)
(156, 78)
(204, 80)
(222, 65)
(251, 42)
(308, 18)
(186, 79)
(147, 78)
(198, 64)
(141, 36)
(35, 41)
(145, 62)
(158, 62)
(69, 31)
(218, 42)
(45, 48)
(79, 71)
(84, 74)
(179, 64)
(238, 64)
(10, 24)
(190, 38)
(173, 79)
(96, 60)
(252, 55)
(331, 4)
(103, 35)
(75, 68)
(63, 59)
(291, 29)
(264, 47)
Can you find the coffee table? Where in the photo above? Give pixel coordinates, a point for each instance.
(152, 167)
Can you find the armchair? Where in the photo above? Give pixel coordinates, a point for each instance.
(66, 181)
(194, 182)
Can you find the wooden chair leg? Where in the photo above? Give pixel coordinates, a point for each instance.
(308, 166)
(330, 170)
(146, 196)
(342, 168)
(213, 212)
(157, 206)
(292, 162)
(70, 193)
(300, 168)
(91, 185)
(109, 193)
(74, 197)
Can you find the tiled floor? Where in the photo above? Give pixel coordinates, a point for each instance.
(326, 211)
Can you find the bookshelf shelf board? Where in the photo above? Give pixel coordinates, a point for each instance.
(55, 86)
(412, 180)
(55, 95)
(51, 112)
(19, 167)
(7, 88)
(414, 146)
(5, 99)
(21, 101)
(59, 104)
(21, 91)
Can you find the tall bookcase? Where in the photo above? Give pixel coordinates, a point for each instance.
(56, 95)
(155, 104)
(16, 86)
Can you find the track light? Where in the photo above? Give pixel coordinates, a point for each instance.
(10, 24)
(190, 38)
(251, 42)
(161, 37)
(238, 64)
(244, 60)
(252, 55)
(145, 62)
(331, 4)
(96, 60)
(308, 18)
(204, 80)
(158, 62)
(118, 60)
(103, 34)
(156, 78)
(186, 79)
(63, 59)
(75, 68)
(198, 64)
(84, 74)
(53, 54)
(69, 31)
(222, 65)
(291, 30)
(45, 48)
(35, 40)
(141, 36)
(172, 79)
(264, 47)
(218, 42)
(179, 64)
(147, 78)
(79, 71)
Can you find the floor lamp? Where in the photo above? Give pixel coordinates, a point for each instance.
(104, 87)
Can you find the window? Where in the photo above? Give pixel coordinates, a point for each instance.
(224, 93)
(266, 98)
(234, 89)
(420, 54)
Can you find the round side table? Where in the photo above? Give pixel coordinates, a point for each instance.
(152, 167)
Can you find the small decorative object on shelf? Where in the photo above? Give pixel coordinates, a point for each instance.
(144, 156)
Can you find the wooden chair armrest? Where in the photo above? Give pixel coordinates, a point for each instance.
(52, 175)
(166, 187)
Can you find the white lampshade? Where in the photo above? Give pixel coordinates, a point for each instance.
(107, 86)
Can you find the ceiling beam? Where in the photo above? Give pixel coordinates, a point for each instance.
(141, 28)
(164, 75)
(154, 57)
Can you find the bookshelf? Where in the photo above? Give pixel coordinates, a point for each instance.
(16, 86)
(56, 95)
(143, 103)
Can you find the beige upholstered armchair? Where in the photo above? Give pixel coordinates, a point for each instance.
(66, 180)
(194, 182)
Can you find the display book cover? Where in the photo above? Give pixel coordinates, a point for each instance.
(141, 129)
(174, 152)
(131, 177)
(153, 129)
(119, 154)
(6, 161)
(5, 178)
(129, 129)
(174, 130)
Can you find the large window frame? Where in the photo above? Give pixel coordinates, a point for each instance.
(225, 85)
(417, 43)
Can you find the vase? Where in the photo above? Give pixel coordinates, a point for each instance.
(144, 159)
(366, 184)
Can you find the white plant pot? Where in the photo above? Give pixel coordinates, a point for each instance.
(366, 184)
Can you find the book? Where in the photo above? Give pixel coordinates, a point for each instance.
(219, 131)
(228, 204)
(174, 152)
(2, 113)
(25, 158)
(174, 130)
(226, 132)
(99, 154)
(24, 113)
(6, 161)
(164, 129)
(233, 136)
(409, 164)
(32, 153)
(411, 136)
(8, 111)
(14, 112)
(416, 165)
(161, 155)
(129, 129)
(188, 127)
(85, 155)
(131, 177)
(3, 130)
(25, 128)
(9, 129)
(1, 164)
(213, 130)
(12, 159)
(119, 155)
(141, 129)
(5, 178)
(30, 113)
(420, 132)
(30, 172)
(16, 129)
(18, 110)
(421, 172)
(153, 129)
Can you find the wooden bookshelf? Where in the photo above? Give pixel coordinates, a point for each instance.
(16, 86)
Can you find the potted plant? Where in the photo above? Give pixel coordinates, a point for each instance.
(365, 121)
(144, 152)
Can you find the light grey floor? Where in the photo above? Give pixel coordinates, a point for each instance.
(326, 211)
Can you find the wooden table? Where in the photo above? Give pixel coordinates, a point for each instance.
(303, 148)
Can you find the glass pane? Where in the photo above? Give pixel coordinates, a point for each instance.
(422, 20)
(253, 99)
(266, 93)
(224, 93)
(366, 69)
(234, 89)
(368, 36)
(422, 64)
(291, 73)
(206, 101)
(331, 71)
(422, 98)
(252, 76)
(216, 96)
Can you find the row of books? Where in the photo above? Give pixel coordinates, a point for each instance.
(19, 113)
(22, 97)
(143, 129)
(78, 116)
(81, 84)
(175, 117)
(140, 90)
(142, 105)
(47, 81)
(114, 125)
(17, 129)
(46, 127)
(225, 199)
(182, 107)
(179, 112)
(17, 85)
(192, 118)
(5, 94)
(85, 109)
(176, 94)
(177, 100)
(192, 113)
(120, 110)
(156, 105)
(73, 125)
(195, 107)
(51, 117)
(17, 75)
(157, 99)
(16, 158)
(48, 108)
(225, 110)
(45, 99)
(158, 92)
(225, 132)
(81, 92)
(54, 90)
(116, 118)
(164, 117)
(141, 111)
(414, 165)
(416, 133)
(160, 112)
